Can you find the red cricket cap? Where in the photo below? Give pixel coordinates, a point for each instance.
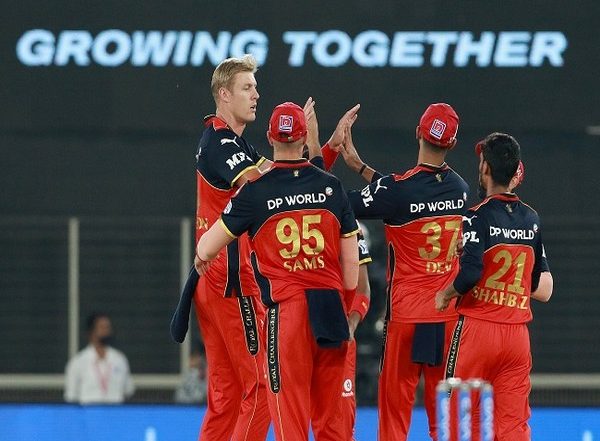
(439, 125)
(287, 123)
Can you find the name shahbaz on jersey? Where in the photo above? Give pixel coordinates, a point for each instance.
(500, 297)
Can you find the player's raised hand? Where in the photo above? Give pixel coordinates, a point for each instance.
(312, 128)
(349, 152)
(337, 138)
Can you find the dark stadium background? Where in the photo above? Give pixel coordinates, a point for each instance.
(114, 148)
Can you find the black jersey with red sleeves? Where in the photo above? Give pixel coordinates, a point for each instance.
(295, 215)
(221, 159)
(422, 211)
(502, 259)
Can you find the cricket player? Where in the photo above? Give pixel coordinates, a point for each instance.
(546, 285)
(500, 267)
(229, 315)
(422, 212)
(340, 419)
(303, 235)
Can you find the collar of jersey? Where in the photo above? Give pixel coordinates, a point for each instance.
(215, 121)
(430, 167)
(291, 163)
(507, 197)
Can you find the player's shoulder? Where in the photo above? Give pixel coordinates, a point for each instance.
(398, 177)
(457, 176)
(529, 208)
(480, 207)
(215, 123)
(217, 132)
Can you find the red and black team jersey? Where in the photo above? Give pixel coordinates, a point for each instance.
(295, 215)
(502, 259)
(221, 159)
(422, 212)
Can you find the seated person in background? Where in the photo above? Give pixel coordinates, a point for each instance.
(99, 373)
(192, 388)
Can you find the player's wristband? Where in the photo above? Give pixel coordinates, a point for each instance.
(362, 169)
(360, 304)
(329, 156)
(376, 176)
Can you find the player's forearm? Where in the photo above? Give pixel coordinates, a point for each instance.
(545, 287)
(364, 287)
(362, 296)
(349, 262)
(265, 165)
(471, 269)
(314, 147)
(213, 241)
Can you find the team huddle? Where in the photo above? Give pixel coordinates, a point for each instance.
(283, 280)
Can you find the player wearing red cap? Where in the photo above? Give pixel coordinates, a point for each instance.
(422, 212)
(500, 266)
(303, 236)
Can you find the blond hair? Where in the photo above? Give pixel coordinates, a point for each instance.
(226, 70)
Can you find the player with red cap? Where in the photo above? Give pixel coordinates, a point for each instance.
(303, 234)
(422, 212)
(228, 314)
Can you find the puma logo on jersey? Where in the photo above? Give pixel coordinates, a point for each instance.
(227, 140)
(469, 220)
(236, 159)
(379, 186)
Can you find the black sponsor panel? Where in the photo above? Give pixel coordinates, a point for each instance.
(273, 349)
(249, 321)
(454, 347)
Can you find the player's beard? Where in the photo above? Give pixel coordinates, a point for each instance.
(481, 191)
